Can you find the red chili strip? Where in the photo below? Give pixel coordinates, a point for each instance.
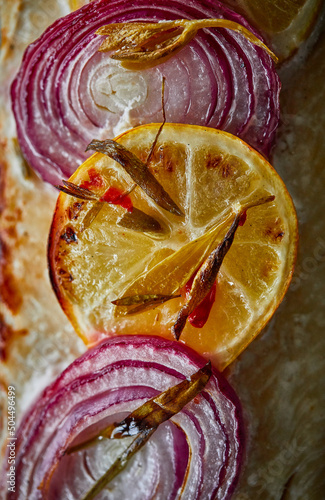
(115, 196)
(95, 180)
(201, 313)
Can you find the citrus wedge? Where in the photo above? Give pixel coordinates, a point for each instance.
(210, 175)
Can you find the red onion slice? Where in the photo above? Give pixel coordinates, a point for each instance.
(67, 93)
(197, 453)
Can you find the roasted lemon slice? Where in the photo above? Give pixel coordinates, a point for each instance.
(284, 23)
(99, 252)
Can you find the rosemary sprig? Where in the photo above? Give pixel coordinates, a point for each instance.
(140, 221)
(91, 215)
(207, 274)
(135, 220)
(140, 303)
(143, 422)
(77, 191)
(152, 149)
(138, 171)
(147, 44)
(119, 464)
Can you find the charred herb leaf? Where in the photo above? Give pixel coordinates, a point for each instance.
(133, 34)
(84, 194)
(147, 44)
(91, 215)
(155, 411)
(139, 221)
(119, 464)
(162, 407)
(207, 274)
(136, 220)
(143, 422)
(140, 303)
(138, 171)
(77, 191)
(152, 149)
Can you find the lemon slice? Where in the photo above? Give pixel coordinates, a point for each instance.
(209, 174)
(286, 23)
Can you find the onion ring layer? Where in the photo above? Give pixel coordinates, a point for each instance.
(67, 93)
(195, 455)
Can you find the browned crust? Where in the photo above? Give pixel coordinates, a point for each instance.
(7, 335)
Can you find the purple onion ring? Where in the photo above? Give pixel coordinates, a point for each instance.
(67, 93)
(197, 453)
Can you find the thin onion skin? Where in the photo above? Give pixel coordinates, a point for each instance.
(198, 453)
(61, 98)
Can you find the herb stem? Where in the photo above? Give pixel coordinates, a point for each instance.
(207, 274)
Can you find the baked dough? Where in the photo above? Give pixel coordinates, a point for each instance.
(279, 378)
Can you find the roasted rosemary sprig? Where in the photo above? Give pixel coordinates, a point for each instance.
(135, 220)
(143, 422)
(77, 191)
(139, 44)
(138, 171)
(207, 274)
(140, 222)
(140, 303)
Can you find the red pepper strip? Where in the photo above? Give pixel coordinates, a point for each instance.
(95, 180)
(201, 313)
(243, 218)
(115, 196)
